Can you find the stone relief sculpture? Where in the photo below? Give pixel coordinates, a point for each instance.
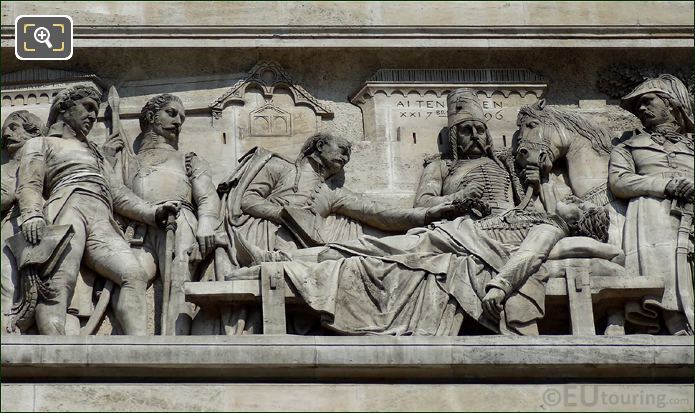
(280, 205)
(653, 170)
(427, 281)
(19, 127)
(547, 135)
(158, 173)
(476, 170)
(488, 231)
(69, 170)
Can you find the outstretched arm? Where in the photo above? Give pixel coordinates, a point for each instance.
(126, 202)
(532, 252)
(32, 171)
(375, 214)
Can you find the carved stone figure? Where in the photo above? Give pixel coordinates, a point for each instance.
(427, 281)
(160, 174)
(19, 127)
(654, 171)
(69, 170)
(547, 135)
(280, 205)
(475, 170)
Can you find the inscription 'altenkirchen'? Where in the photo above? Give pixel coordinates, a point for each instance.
(393, 108)
(428, 108)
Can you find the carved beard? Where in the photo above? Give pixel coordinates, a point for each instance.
(156, 124)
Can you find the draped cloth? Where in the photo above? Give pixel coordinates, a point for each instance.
(421, 283)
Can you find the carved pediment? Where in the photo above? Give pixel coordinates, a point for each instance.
(270, 120)
(268, 76)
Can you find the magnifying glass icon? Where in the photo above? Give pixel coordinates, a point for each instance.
(42, 35)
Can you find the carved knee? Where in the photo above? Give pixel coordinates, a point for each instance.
(51, 324)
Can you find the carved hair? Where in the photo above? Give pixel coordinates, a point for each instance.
(677, 110)
(310, 146)
(594, 223)
(599, 137)
(30, 122)
(154, 105)
(67, 97)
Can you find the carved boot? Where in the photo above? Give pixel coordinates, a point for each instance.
(249, 255)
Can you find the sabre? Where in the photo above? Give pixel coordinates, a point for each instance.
(168, 324)
(684, 276)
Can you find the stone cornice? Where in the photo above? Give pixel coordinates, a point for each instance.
(377, 36)
(632, 357)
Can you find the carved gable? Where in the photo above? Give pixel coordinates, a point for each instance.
(267, 108)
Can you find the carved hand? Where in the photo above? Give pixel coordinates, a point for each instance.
(441, 211)
(113, 145)
(685, 190)
(32, 229)
(532, 175)
(205, 235)
(492, 303)
(681, 188)
(164, 210)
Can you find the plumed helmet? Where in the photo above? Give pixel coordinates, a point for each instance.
(668, 85)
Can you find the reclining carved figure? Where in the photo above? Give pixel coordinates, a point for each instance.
(275, 204)
(426, 281)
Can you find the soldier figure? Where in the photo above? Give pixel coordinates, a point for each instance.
(474, 170)
(68, 169)
(654, 171)
(159, 173)
(19, 127)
